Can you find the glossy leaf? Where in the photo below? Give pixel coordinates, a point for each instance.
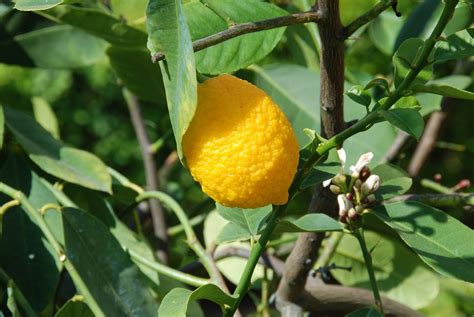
(461, 19)
(138, 73)
(359, 95)
(175, 303)
(232, 232)
(310, 223)
(45, 116)
(456, 46)
(400, 274)
(34, 5)
(100, 24)
(418, 21)
(252, 220)
(66, 47)
(169, 34)
(440, 240)
(231, 267)
(383, 31)
(74, 308)
(365, 312)
(393, 181)
(323, 171)
(447, 87)
(120, 289)
(404, 58)
(24, 253)
(216, 16)
(72, 165)
(406, 119)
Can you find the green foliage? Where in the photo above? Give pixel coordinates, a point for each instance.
(212, 16)
(175, 303)
(169, 34)
(59, 65)
(75, 166)
(74, 308)
(439, 239)
(400, 273)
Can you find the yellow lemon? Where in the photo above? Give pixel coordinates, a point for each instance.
(240, 146)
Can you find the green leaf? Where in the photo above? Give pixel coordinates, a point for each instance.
(400, 274)
(72, 165)
(138, 73)
(251, 220)
(45, 116)
(232, 232)
(418, 21)
(131, 10)
(447, 86)
(33, 5)
(74, 308)
(406, 119)
(378, 82)
(456, 46)
(310, 223)
(62, 47)
(440, 240)
(409, 102)
(404, 58)
(383, 32)
(100, 24)
(175, 303)
(359, 95)
(461, 19)
(120, 288)
(231, 267)
(169, 34)
(393, 181)
(24, 253)
(237, 53)
(352, 9)
(365, 312)
(2, 126)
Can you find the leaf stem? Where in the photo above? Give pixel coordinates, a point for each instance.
(359, 234)
(167, 271)
(192, 239)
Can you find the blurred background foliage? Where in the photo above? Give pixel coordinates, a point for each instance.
(92, 115)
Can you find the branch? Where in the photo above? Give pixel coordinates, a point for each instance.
(250, 27)
(302, 257)
(329, 299)
(438, 200)
(157, 214)
(397, 145)
(367, 17)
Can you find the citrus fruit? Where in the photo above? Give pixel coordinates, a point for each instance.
(239, 145)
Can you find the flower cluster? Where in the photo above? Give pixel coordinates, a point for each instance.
(355, 192)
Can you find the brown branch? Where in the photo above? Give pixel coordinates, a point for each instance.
(250, 27)
(157, 213)
(397, 145)
(302, 257)
(428, 140)
(318, 297)
(366, 18)
(438, 200)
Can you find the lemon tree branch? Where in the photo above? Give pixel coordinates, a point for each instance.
(250, 27)
(334, 141)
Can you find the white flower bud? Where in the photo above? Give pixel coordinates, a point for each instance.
(363, 161)
(370, 185)
(344, 204)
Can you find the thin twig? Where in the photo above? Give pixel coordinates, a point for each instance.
(395, 148)
(366, 17)
(250, 27)
(438, 200)
(157, 214)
